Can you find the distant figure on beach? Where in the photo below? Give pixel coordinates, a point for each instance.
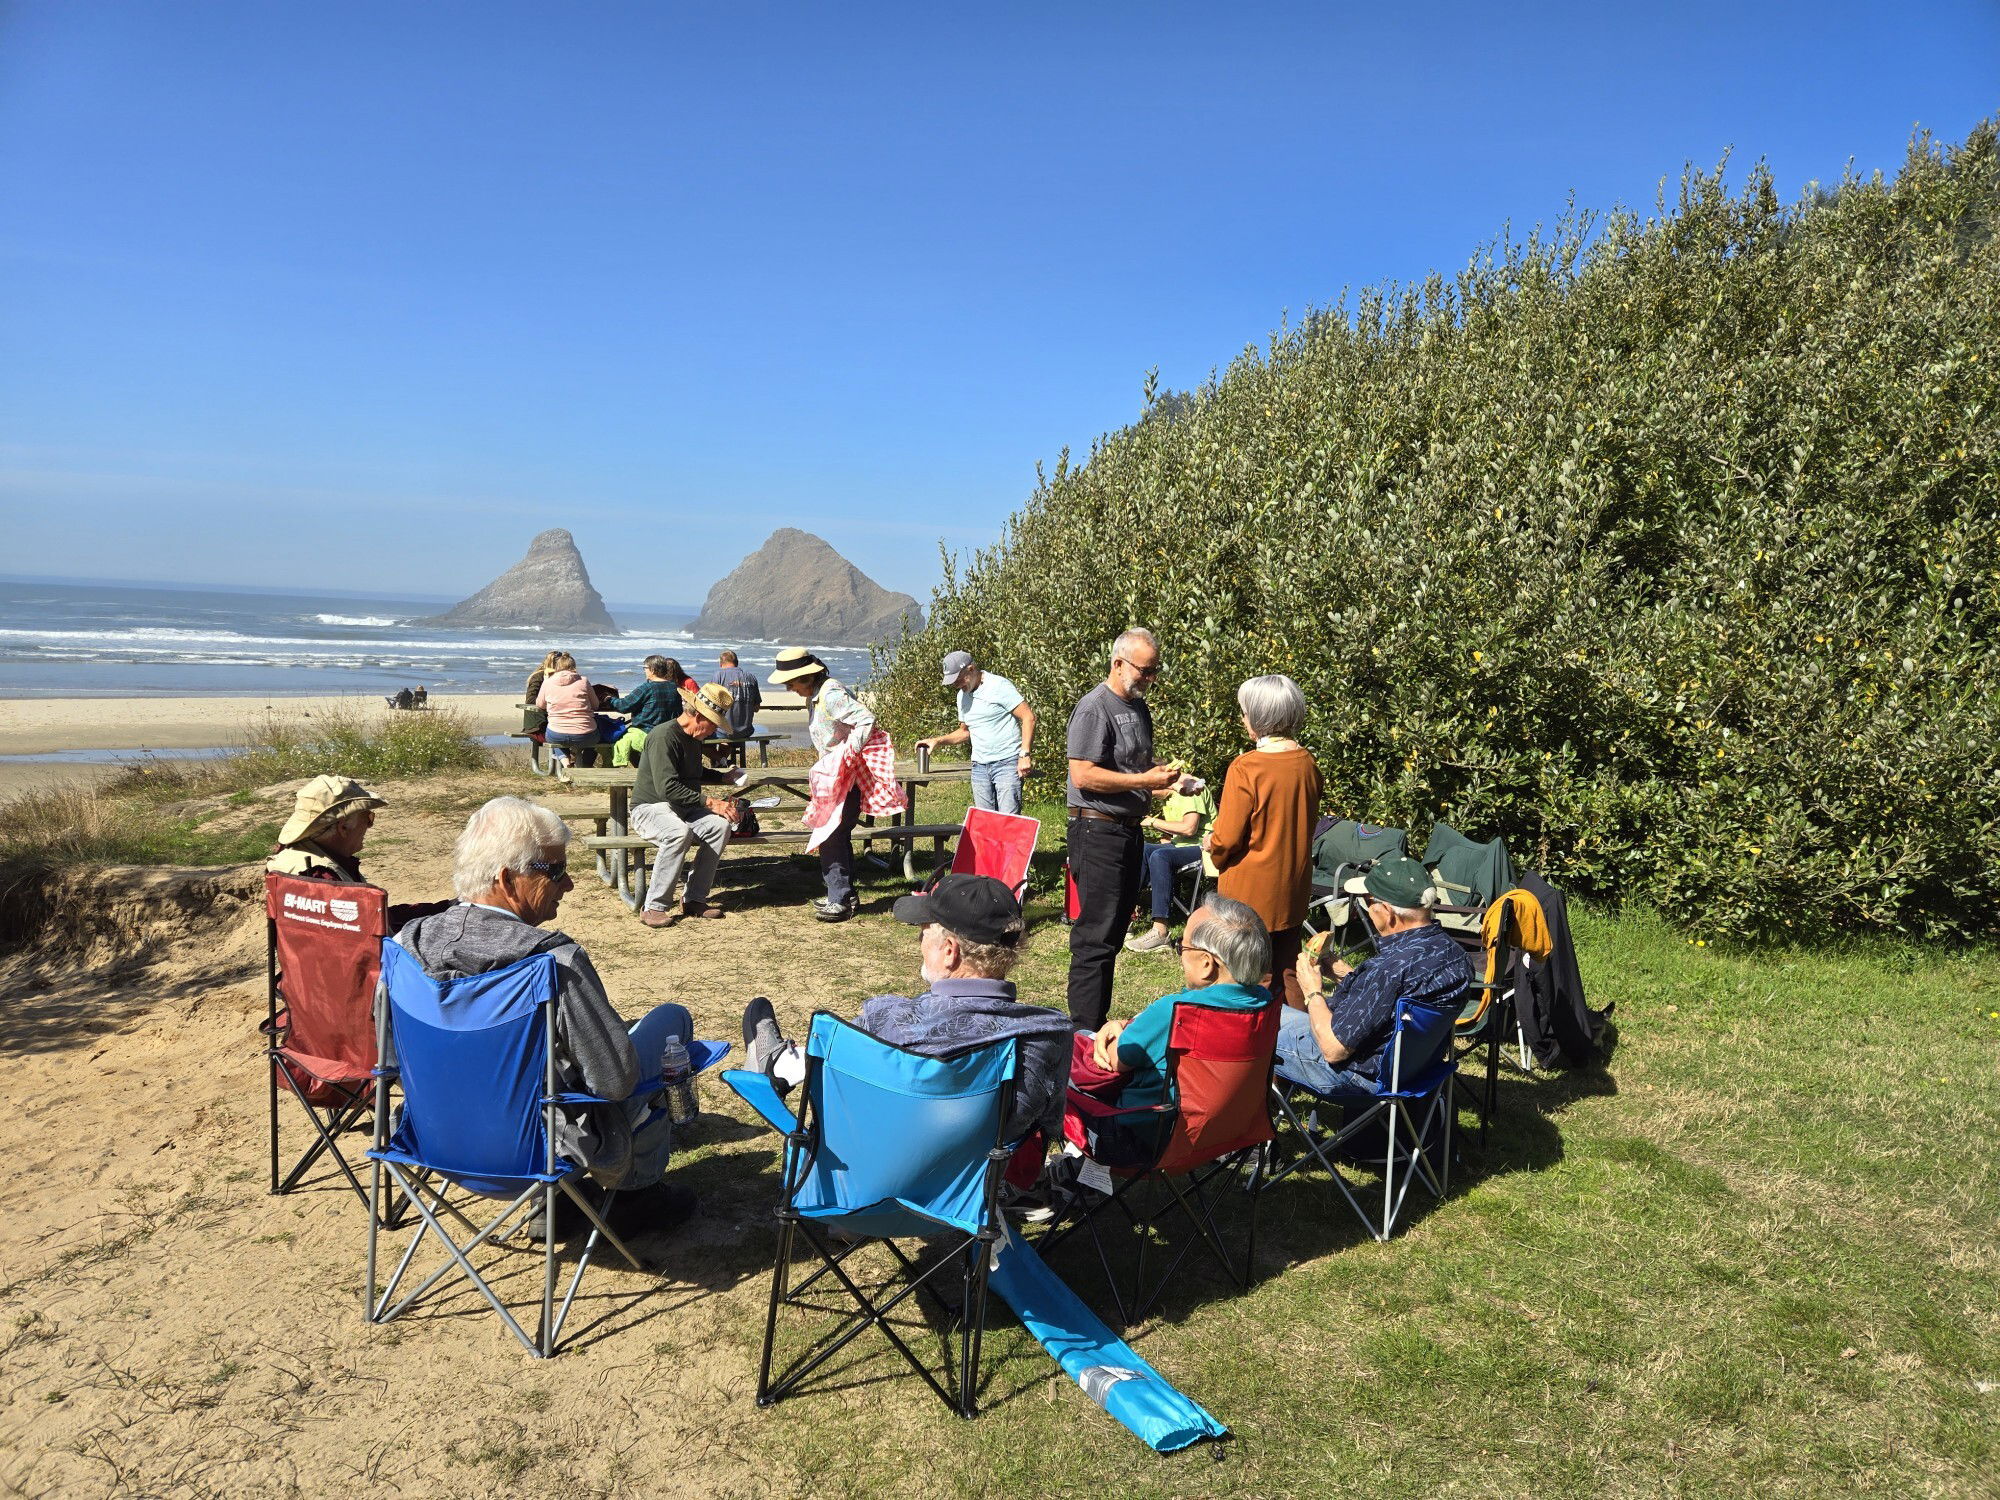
(423, 696)
(748, 699)
(322, 839)
(565, 696)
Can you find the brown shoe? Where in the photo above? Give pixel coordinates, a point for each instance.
(653, 917)
(706, 909)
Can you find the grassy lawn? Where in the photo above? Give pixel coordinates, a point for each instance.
(1756, 1252)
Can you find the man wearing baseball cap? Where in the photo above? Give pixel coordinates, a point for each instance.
(998, 724)
(670, 808)
(972, 934)
(1338, 1045)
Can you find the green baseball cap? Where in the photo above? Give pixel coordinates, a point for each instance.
(1398, 880)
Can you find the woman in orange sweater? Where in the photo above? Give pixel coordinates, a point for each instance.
(1261, 840)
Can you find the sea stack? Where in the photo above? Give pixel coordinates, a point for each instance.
(548, 589)
(797, 588)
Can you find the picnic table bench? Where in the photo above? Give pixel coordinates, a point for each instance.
(618, 851)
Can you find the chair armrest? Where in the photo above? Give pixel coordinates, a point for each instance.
(761, 1094)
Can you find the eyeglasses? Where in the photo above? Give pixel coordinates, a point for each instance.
(1181, 945)
(554, 870)
(1147, 672)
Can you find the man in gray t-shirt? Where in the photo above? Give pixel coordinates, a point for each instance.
(1112, 778)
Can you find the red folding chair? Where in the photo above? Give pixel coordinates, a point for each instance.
(1215, 1116)
(998, 844)
(323, 952)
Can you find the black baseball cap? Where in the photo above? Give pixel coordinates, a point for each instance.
(975, 907)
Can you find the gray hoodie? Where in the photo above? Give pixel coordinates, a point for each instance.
(594, 1051)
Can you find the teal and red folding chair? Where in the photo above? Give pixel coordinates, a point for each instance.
(887, 1144)
(322, 950)
(475, 1060)
(1213, 1119)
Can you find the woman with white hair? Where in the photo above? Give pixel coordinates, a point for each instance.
(1261, 839)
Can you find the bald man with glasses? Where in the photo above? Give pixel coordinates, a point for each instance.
(1113, 778)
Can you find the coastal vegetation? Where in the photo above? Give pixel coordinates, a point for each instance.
(1666, 548)
(158, 811)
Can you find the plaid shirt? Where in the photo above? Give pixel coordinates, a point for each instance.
(1423, 966)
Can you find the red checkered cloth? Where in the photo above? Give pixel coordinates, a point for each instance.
(834, 775)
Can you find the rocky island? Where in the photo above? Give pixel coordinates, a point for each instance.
(549, 588)
(797, 588)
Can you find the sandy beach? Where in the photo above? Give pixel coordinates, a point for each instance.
(42, 726)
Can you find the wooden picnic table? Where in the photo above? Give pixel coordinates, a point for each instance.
(613, 864)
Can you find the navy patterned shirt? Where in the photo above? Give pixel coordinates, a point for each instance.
(1423, 966)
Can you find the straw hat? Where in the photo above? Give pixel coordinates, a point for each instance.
(322, 802)
(711, 702)
(795, 661)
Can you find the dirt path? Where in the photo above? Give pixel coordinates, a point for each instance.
(166, 1327)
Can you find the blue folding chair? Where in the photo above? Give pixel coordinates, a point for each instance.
(1400, 1129)
(887, 1145)
(475, 1060)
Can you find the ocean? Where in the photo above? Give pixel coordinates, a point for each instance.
(78, 640)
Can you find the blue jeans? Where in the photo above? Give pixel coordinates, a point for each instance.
(1299, 1057)
(1163, 863)
(652, 1128)
(581, 748)
(996, 785)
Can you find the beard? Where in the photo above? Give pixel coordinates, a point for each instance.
(929, 979)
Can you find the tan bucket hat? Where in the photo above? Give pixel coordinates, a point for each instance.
(711, 702)
(795, 661)
(323, 801)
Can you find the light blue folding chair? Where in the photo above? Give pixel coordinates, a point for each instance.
(475, 1061)
(1405, 1129)
(887, 1145)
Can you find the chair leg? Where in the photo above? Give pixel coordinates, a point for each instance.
(273, 1068)
(778, 1279)
(545, 1335)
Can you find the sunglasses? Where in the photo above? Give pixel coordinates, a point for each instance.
(1152, 671)
(553, 870)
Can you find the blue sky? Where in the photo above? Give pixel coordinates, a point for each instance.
(363, 295)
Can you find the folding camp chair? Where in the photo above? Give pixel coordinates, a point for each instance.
(1342, 854)
(1406, 1119)
(475, 1058)
(1214, 1116)
(1489, 1013)
(998, 844)
(887, 1145)
(322, 949)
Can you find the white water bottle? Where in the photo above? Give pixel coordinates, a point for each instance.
(677, 1077)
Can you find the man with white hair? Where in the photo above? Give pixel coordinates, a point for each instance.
(1225, 952)
(1112, 779)
(1338, 1045)
(510, 869)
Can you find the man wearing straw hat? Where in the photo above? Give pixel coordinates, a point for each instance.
(322, 839)
(669, 807)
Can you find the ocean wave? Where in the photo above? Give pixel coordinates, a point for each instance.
(355, 619)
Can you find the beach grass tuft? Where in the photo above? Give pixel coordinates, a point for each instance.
(142, 816)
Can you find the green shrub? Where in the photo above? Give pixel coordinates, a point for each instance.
(1669, 550)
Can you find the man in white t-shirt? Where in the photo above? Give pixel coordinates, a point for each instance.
(999, 726)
